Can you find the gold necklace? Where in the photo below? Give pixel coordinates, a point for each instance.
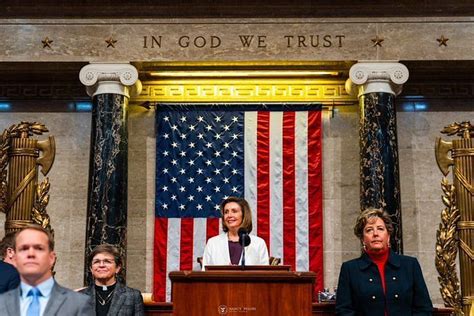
(103, 301)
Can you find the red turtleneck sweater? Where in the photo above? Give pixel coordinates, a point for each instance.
(380, 258)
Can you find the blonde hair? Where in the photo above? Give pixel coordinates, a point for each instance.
(368, 214)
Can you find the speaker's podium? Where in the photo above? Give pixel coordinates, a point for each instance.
(233, 290)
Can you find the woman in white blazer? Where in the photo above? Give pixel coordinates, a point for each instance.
(225, 249)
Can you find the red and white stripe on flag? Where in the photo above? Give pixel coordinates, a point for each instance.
(283, 185)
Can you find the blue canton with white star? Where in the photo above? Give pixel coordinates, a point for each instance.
(199, 161)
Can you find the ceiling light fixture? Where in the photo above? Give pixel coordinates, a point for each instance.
(243, 73)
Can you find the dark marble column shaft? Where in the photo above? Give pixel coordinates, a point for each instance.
(376, 83)
(379, 172)
(110, 86)
(107, 195)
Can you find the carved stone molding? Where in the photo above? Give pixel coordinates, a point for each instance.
(367, 77)
(42, 91)
(151, 91)
(439, 90)
(110, 78)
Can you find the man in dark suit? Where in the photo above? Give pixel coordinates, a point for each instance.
(9, 277)
(38, 293)
(6, 248)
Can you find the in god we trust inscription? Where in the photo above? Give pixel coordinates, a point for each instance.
(245, 41)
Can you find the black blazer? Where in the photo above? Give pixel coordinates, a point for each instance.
(360, 290)
(9, 277)
(125, 301)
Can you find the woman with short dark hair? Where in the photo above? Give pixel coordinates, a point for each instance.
(380, 282)
(111, 297)
(225, 249)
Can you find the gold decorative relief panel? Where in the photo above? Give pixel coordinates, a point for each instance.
(244, 90)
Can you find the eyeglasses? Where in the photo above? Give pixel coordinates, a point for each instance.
(106, 262)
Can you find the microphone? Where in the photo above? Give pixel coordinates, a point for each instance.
(244, 241)
(244, 238)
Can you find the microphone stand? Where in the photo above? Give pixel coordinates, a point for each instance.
(244, 240)
(242, 263)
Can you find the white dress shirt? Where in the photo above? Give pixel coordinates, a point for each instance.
(45, 288)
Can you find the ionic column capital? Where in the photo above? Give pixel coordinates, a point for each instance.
(376, 76)
(100, 78)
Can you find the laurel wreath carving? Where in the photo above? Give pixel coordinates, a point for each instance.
(27, 128)
(39, 215)
(4, 145)
(463, 129)
(446, 249)
(30, 128)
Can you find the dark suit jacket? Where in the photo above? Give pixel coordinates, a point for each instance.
(9, 277)
(360, 291)
(62, 302)
(125, 301)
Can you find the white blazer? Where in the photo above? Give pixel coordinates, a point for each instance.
(217, 251)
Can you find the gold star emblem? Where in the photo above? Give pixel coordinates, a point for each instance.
(46, 42)
(442, 41)
(110, 42)
(377, 41)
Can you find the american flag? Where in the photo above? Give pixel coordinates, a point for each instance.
(268, 154)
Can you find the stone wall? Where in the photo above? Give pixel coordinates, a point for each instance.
(420, 178)
(323, 39)
(68, 193)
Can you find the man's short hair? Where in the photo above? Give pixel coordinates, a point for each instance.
(37, 228)
(109, 249)
(7, 242)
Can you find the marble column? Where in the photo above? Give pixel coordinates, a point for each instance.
(110, 86)
(376, 84)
